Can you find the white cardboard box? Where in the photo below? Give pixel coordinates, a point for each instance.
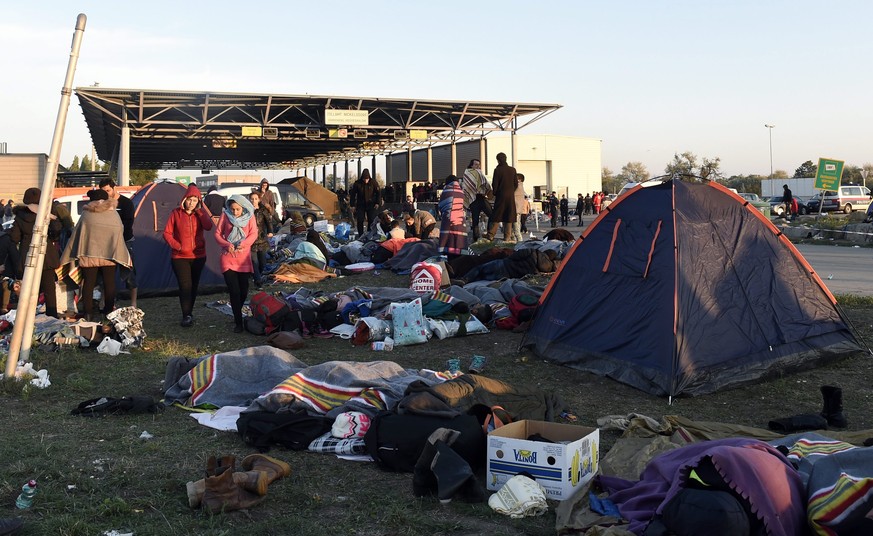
(561, 467)
(323, 226)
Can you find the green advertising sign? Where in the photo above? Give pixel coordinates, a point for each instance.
(828, 175)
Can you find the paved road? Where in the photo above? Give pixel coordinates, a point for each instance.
(850, 268)
(844, 269)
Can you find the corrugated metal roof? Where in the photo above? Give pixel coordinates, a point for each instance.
(173, 129)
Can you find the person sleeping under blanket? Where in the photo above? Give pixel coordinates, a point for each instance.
(390, 247)
(460, 265)
(519, 264)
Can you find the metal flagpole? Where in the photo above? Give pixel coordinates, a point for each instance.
(22, 333)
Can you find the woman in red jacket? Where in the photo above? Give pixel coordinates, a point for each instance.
(184, 234)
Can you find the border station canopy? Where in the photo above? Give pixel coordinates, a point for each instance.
(209, 130)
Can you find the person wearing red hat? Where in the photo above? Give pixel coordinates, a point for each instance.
(184, 234)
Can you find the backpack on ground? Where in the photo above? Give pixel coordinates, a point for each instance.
(395, 441)
(269, 311)
(263, 429)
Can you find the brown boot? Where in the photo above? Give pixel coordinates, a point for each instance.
(222, 493)
(274, 469)
(216, 466)
(253, 481)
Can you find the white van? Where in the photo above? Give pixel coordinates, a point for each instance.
(75, 202)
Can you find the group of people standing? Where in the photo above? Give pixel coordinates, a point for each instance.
(243, 230)
(511, 206)
(100, 245)
(590, 204)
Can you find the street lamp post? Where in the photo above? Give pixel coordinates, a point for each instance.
(770, 129)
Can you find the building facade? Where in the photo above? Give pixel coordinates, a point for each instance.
(21, 171)
(568, 165)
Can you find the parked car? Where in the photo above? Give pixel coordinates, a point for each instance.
(756, 201)
(850, 197)
(289, 200)
(777, 207)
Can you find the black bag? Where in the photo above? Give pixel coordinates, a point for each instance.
(395, 441)
(254, 326)
(262, 429)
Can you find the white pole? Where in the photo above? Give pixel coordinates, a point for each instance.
(124, 155)
(22, 333)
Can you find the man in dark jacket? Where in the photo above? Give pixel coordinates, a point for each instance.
(787, 200)
(580, 208)
(553, 209)
(9, 258)
(366, 198)
(565, 211)
(126, 212)
(504, 182)
(22, 234)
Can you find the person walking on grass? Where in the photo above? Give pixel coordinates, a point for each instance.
(184, 234)
(235, 233)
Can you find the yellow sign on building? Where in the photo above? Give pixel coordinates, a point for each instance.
(252, 131)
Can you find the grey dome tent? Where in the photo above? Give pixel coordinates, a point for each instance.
(154, 273)
(685, 288)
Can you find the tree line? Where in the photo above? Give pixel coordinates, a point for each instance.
(689, 165)
(138, 177)
(686, 164)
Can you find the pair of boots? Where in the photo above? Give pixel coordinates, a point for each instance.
(831, 415)
(443, 472)
(225, 489)
(492, 231)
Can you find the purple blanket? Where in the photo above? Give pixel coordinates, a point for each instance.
(755, 470)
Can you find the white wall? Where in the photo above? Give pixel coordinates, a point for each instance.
(553, 162)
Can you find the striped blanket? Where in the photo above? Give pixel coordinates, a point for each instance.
(338, 386)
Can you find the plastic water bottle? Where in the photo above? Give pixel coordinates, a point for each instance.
(383, 346)
(25, 499)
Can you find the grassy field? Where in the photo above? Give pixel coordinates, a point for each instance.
(97, 475)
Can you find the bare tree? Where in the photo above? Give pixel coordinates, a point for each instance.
(634, 172)
(685, 165)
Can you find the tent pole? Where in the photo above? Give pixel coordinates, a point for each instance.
(22, 333)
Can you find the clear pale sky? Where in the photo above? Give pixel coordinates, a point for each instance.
(648, 78)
